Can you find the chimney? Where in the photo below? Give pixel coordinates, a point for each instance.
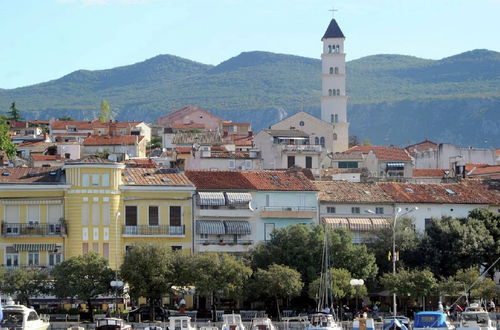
(250, 133)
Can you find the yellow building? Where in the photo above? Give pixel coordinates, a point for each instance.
(91, 204)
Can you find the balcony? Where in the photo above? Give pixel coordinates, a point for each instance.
(224, 211)
(160, 231)
(289, 212)
(229, 245)
(33, 229)
(294, 148)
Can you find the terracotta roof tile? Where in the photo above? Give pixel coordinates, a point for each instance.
(346, 191)
(466, 192)
(485, 170)
(383, 153)
(91, 159)
(279, 180)
(154, 176)
(141, 162)
(183, 150)
(191, 125)
(214, 180)
(429, 172)
(421, 146)
(470, 166)
(80, 125)
(42, 175)
(18, 124)
(46, 157)
(345, 155)
(95, 140)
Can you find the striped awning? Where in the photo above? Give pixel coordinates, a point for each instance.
(34, 247)
(360, 224)
(337, 222)
(380, 223)
(395, 164)
(238, 198)
(210, 227)
(210, 198)
(237, 227)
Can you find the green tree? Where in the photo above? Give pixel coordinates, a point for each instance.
(14, 113)
(221, 273)
(341, 285)
(105, 115)
(487, 289)
(24, 282)
(83, 277)
(491, 222)
(154, 143)
(6, 144)
(278, 282)
(65, 118)
(152, 269)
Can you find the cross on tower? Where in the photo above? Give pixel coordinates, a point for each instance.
(333, 10)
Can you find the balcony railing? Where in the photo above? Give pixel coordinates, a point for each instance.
(146, 230)
(289, 208)
(302, 148)
(33, 229)
(225, 242)
(289, 212)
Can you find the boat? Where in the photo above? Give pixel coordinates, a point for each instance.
(475, 318)
(111, 323)
(324, 318)
(396, 323)
(20, 317)
(432, 321)
(180, 322)
(232, 322)
(262, 323)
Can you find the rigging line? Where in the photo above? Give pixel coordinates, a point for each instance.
(480, 278)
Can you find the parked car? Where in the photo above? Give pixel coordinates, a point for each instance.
(161, 314)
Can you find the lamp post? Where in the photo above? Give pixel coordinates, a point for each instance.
(397, 214)
(357, 283)
(116, 284)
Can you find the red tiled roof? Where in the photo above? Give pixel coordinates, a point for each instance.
(141, 162)
(470, 166)
(279, 180)
(429, 172)
(37, 157)
(466, 192)
(105, 140)
(421, 146)
(180, 113)
(119, 124)
(80, 125)
(346, 191)
(17, 124)
(191, 125)
(219, 180)
(183, 150)
(383, 153)
(41, 122)
(242, 140)
(154, 176)
(497, 152)
(33, 143)
(486, 170)
(230, 123)
(40, 175)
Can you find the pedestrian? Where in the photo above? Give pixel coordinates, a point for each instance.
(491, 306)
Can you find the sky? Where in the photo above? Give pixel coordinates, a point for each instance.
(42, 40)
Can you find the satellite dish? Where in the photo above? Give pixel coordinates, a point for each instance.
(251, 207)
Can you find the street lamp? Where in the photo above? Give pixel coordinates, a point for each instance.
(397, 214)
(357, 283)
(116, 284)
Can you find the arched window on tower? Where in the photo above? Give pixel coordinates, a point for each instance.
(316, 140)
(336, 70)
(337, 49)
(338, 91)
(322, 141)
(334, 136)
(331, 70)
(330, 92)
(329, 49)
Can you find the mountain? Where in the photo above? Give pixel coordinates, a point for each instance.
(393, 99)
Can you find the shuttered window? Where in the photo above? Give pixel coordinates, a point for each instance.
(175, 216)
(85, 214)
(131, 215)
(106, 214)
(153, 216)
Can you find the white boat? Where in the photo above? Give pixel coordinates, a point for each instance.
(20, 317)
(475, 318)
(181, 322)
(232, 322)
(112, 323)
(324, 319)
(262, 323)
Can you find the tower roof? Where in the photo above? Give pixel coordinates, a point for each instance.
(333, 30)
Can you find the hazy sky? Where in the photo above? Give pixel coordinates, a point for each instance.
(42, 40)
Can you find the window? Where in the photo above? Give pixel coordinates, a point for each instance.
(85, 180)
(32, 316)
(204, 236)
(309, 162)
(338, 91)
(33, 214)
(96, 216)
(301, 123)
(95, 247)
(153, 216)
(175, 216)
(54, 212)
(355, 210)
(85, 214)
(336, 70)
(337, 49)
(428, 223)
(105, 180)
(330, 92)
(268, 200)
(105, 250)
(54, 259)
(316, 142)
(290, 161)
(176, 248)
(95, 180)
(33, 258)
(268, 229)
(232, 164)
(131, 215)
(322, 141)
(334, 136)
(106, 214)
(12, 259)
(348, 164)
(330, 209)
(379, 210)
(248, 164)
(331, 70)
(329, 49)
(334, 118)
(12, 213)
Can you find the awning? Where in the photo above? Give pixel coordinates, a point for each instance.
(237, 227)
(337, 222)
(360, 224)
(34, 247)
(238, 198)
(210, 227)
(380, 223)
(395, 164)
(210, 198)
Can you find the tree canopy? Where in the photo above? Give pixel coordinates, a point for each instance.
(6, 143)
(24, 282)
(14, 113)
